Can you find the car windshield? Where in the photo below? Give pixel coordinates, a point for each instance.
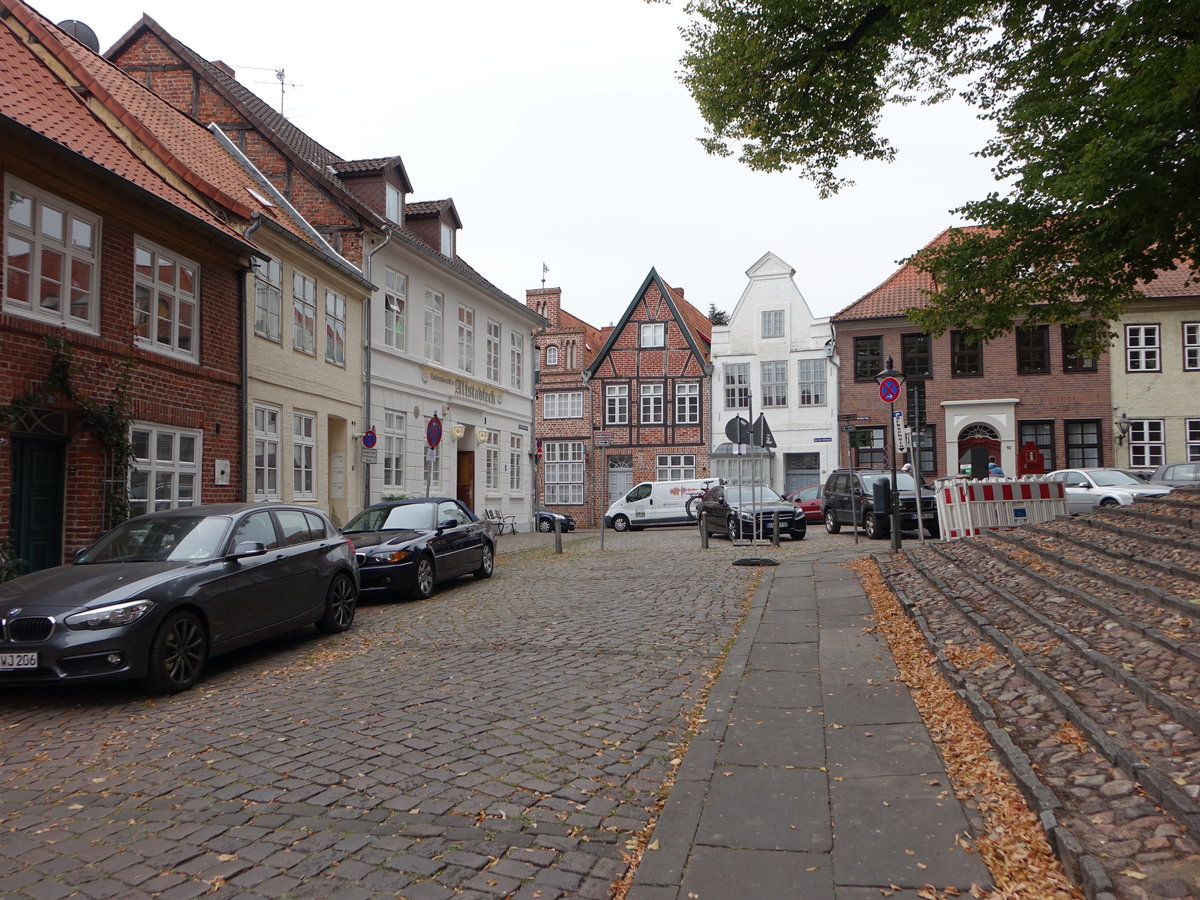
(760, 494)
(1113, 478)
(158, 539)
(904, 481)
(410, 516)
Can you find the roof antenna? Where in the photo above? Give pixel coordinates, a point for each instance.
(281, 77)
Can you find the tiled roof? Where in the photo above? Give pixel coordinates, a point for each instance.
(697, 321)
(907, 288)
(904, 289)
(433, 208)
(37, 98)
(1183, 281)
(189, 150)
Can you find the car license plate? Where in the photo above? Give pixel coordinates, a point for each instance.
(10, 661)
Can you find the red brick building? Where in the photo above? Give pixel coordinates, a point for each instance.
(643, 386)
(1030, 386)
(119, 329)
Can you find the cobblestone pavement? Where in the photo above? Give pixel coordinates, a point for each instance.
(505, 737)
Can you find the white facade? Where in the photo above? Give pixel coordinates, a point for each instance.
(442, 344)
(776, 359)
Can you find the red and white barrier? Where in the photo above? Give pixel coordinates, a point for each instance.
(966, 508)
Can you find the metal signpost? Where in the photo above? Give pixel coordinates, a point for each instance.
(889, 392)
(603, 439)
(433, 436)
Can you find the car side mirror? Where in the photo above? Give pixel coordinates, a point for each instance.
(448, 523)
(78, 554)
(248, 548)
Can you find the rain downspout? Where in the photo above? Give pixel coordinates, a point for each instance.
(366, 422)
(245, 367)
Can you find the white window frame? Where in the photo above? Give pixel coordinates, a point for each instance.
(435, 311)
(736, 380)
(563, 472)
(304, 313)
(516, 360)
(466, 339)
(168, 471)
(552, 355)
(1191, 346)
(773, 383)
(266, 452)
(268, 298)
(687, 403)
(392, 439)
(1147, 443)
(395, 309)
(650, 403)
(304, 455)
(76, 222)
(493, 350)
(447, 244)
(1143, 348)
(1191, 435)
(772, 323)
(562, 405)
(393, 204)
(675, 466)
(812, 384)
(335, 328)
(491, 462)
(652, 334)
(616, 404)
(181, 297)
(516, 452)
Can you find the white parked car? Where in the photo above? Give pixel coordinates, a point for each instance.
(1088, 488)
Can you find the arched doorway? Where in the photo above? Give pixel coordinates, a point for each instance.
(977, 435)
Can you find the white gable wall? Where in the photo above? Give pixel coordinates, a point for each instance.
(806, 435)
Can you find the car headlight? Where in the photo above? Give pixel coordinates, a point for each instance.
(390, 556)
(109, 616)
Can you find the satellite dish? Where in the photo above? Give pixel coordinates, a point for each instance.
(81, 33)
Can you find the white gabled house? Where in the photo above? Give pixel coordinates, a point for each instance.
(776, 359)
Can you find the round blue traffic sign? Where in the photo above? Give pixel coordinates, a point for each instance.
(433, 431)
(369, 438)
(889, 390)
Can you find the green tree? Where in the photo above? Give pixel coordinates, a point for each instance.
(717, 316)
(1096, 108)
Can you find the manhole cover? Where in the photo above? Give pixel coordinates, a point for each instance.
(755, 561)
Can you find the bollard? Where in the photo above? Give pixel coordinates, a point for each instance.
(557, 535)
(775, 529)
(703, 530)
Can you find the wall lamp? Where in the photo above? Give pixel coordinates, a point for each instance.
(1122, 422)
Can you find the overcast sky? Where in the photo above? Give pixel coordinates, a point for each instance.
(564, 136)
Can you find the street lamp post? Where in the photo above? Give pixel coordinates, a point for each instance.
(890, 383)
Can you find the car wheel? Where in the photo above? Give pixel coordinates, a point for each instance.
(545, 526)
(831, 523)
(340, 605)
(487, 564)
(177, 655)
(423, 587)
(798, 534)
(874, 527)
(733, 528)
(620, 523)
(1109, 501)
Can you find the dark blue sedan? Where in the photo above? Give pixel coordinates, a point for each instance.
(411, 546)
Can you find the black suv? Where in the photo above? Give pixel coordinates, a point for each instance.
(850, 500)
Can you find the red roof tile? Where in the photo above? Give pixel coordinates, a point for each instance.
(35, 97)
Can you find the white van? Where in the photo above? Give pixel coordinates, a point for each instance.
(658, 503)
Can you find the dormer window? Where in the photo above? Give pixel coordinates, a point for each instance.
(447, 240)
(395, 204)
